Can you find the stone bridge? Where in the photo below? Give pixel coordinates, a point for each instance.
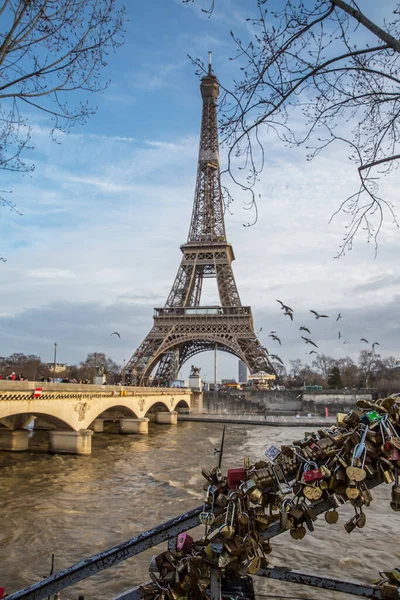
(73, 412)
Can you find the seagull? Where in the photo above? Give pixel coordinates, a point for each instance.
(275, 337)
(338, 317)
(375, 344)
(339, 335)
(260, 331)
(364, 340)
(309, 341)
(115, 333)
(313, 352)
(302, 328)
(346, 342)
(284, 307)
(318, 316)
(276, 357)
(288, 312)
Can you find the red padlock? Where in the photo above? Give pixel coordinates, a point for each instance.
(312, 475)
(234, 477)
(392, 452)
(184, 543)
(319, 453)
(2, 592)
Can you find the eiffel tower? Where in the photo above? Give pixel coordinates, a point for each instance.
(183, 327)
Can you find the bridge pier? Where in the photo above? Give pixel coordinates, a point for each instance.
(134, 426)
(14, 440)
(97, 426)
(71, 442)
(196, 403)
(167, 418)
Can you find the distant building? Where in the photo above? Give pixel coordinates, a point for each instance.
(243, 373)
(262, 380)
(59, 367)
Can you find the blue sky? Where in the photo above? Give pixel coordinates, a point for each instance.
(104, 213)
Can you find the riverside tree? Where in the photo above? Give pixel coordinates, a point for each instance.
(52, 54)
(339, 67)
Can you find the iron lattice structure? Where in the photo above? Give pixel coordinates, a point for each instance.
(183, 327)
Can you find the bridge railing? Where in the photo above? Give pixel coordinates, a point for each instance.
(161, 533)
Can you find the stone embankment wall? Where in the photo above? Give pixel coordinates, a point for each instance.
(238, 402)
(282, 401)
(335, 400)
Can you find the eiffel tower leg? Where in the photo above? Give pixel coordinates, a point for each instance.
(228, 292)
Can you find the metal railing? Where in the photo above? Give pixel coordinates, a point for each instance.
(203, 311)
(161, 533)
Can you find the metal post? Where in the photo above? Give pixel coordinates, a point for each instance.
(55, 362)
(215, 584)
(215, 366)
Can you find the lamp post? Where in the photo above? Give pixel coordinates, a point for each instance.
(55, 362)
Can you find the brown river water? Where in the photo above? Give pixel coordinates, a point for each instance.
(78, 506)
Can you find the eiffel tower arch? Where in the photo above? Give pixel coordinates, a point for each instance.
(184, 327)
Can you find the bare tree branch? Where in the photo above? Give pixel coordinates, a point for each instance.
(48, 49)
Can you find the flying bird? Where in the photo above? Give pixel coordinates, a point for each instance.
(346, 342)
(289, 313)
(364, 340)
(313, 352)
(275, 337)
(302, 328)
(115, 333)
(309, 341)
(339, 335)
(338, 317)
(276, 357)
(260, 330)
(375, 344)
(318, 316)
(284, 306)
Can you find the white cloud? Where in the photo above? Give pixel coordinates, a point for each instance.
(50, 274)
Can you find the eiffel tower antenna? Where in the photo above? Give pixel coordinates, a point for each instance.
(184, 327)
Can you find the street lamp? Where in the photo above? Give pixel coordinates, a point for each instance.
(55, 362)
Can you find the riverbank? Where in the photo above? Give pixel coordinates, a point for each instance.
(263, 421)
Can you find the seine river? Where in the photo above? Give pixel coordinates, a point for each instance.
(77, 506)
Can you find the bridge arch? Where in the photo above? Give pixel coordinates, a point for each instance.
(116, 410)
(182, 405)
(62, 424)
(160, 406)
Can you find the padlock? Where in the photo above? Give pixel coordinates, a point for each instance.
(312, 475)
(286, 519)
(272, 453)
(352, 491)
(254, 566)
(332, 516)
(234, 477)
(361, 519)
(256, 495)
(228, 530)
(298, 533)
(184, 543)
(350, 525)
(248, 486)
